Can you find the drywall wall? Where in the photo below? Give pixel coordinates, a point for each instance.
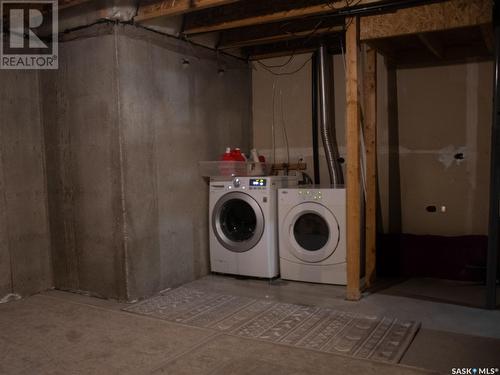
(25, 263)
(425, 117)
(126, 123)
(83, 167)
(292, 93)
(176, 108)
(444, 111)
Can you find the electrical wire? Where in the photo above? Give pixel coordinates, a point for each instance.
(343, 56)
(287, 73)
(285, 135)
(273, 135)
(292, 56)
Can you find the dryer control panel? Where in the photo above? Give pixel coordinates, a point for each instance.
(310, 194)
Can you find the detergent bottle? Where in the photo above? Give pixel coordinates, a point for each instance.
(227, 156)
(238, 156)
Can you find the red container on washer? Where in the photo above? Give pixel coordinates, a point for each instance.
(228, 155)
(227, 166)
(237, 155)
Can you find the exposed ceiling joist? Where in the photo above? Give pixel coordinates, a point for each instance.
(296, 46)
(167, 8)
(279, 31)
(258, 12)
(63, 4)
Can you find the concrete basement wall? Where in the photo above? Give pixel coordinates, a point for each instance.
(125, 126)
(25, 262)
(83, 167)
(434, 113)
(173, 115)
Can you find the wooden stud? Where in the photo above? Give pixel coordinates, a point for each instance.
(167, 8)
(370, 132)
(353, 163)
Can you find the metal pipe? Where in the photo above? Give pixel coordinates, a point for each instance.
(327, 116)
(494, 220)
(314, 96)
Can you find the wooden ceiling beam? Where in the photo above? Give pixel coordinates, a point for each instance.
(279, 31)
(64, 4)
(166, 8)
(259, 12)
(295, 47)
(451, 14)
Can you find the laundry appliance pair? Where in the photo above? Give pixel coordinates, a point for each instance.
(251, 217)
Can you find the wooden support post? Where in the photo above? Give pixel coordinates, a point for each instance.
(353, 162)
(370, 132)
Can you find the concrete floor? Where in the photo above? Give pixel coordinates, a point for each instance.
(472, 294)
(62, 333)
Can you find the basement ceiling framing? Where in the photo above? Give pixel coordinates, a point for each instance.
(408, 32)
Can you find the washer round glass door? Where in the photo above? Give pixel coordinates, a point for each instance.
(238, 221)
(312, 232)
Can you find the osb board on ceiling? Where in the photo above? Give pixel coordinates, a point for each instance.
(435, 48)
(426, 18)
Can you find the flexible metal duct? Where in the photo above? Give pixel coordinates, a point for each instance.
(314, 103)
(327, 116)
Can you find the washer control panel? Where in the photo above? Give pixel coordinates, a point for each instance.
(253, 184)
(245, 183)
(257, 183)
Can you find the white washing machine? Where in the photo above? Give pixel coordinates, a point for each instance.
(243, 225)
(312, 234)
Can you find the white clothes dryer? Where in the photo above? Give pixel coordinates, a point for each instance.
(312, 234)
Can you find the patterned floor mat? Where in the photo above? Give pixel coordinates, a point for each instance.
(318, 328)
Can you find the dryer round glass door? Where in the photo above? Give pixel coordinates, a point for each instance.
(238, 222)
(312, 232)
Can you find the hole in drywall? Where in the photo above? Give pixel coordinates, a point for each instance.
(341, 160)
(459, 156)
(431, 208)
